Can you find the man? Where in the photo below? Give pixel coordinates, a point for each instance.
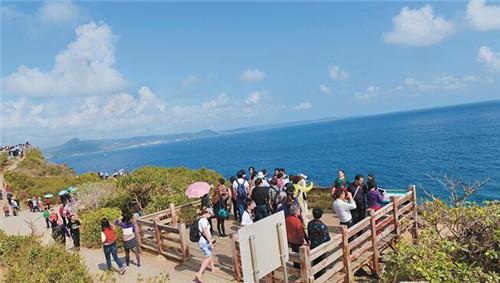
(242, 188)
(358, 191)
(318, 234)
(295, 230)
(342, 206)
(206, 243)
(260, 195)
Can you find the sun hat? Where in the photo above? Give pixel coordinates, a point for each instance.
(260, 175)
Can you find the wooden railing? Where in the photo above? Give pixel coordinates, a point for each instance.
(161, 232)
(352, 248)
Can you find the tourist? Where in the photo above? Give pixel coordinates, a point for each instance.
(47, 202)
(273, 192)
(6, 209)
(62, 214)
(53, 218)
(318, 234)
(206, 243)
(59, 233)
(15, 207)
(205, 203)
(74, 231)
(342, 206)
(242, 188)
(46, 214)
(281, 201)
(358, 190)
(295, 230)
(220, 201)
(374, 198)
(251, 179)
(299, 189)
(341, 183)
(280, 181)
(262, 175)
(108, 237)
(246, 218)
(129, 239)
(260, 195)
(234, 199)
(34, 203)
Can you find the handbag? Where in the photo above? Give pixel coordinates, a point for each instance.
(223, 213)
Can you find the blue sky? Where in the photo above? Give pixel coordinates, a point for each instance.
(119, 69)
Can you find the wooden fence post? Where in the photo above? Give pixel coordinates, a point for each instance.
(236, 257)
(173, 214)
(375, 258)
(395, 209)
(183, 235)
(158, 236)
(305, 264)
(137, 232)
(347, 255)
(414, 231)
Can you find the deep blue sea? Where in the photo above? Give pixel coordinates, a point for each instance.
(400, 149)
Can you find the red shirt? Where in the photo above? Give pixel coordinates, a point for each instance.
(294, 230)
(110, 235)
(61, 211)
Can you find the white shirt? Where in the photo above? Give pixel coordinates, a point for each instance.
(246, 219)
(343, 209)
(202, 224)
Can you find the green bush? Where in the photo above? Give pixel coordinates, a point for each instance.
(91, 225)
(24, 259)
(4, 159)
(35, 164)
(459, 244)
(155, 188)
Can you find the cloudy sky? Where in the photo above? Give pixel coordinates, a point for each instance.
(119, 69)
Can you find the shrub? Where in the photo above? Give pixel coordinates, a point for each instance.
(4, 159)
(24, 259)
(458, 244)
(91, 225)
(92, 196)
(154, 188)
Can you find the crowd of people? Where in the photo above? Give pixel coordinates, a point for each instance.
(16, 150)
(255, 196)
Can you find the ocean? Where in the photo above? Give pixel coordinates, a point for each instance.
(400, 149)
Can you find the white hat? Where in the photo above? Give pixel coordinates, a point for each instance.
(260, 175)
(303, 176)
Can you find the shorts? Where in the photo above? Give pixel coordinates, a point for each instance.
(205, 248)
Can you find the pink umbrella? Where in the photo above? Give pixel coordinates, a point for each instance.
(197, 190)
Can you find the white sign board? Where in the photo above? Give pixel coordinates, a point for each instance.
(260, 246)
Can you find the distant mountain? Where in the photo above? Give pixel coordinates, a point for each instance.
(77, 146)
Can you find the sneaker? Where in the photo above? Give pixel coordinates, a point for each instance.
(122, 270)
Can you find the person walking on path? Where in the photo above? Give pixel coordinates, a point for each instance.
(46, 214)
(108, 237)
(74, 231)
(129, 240)
(206, 243)
(220, 199)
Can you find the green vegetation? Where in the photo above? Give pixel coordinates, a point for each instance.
(91, 225)
(4, 159)
(36, 176)
(24, 259)
(154, 188)
(458, 244)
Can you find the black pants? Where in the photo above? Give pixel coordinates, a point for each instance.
(359, 213)
(75, 235)
(220, 226)
(47, 221)
(235, 209)
(295, 248)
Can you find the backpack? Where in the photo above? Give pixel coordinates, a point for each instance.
(194, 232)
(57, 233)
(241, 191)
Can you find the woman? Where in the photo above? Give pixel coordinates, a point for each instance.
(246, 218)
(129, 240)
(374, 197)
(74, 230)
(220, 199)
(108, 237)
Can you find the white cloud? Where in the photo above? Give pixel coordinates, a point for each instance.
(190, 80)
(84, 67)
(325, 89)
(444, 82)
(302, 106)
(251, 76)
(489, 58)
(119, 104)
(418, 27)
(337, 74)
(370, 92)
(59, 12)
(483, 17)
(220, 101)
(254, 97)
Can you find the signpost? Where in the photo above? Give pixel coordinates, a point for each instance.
(263, 248)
